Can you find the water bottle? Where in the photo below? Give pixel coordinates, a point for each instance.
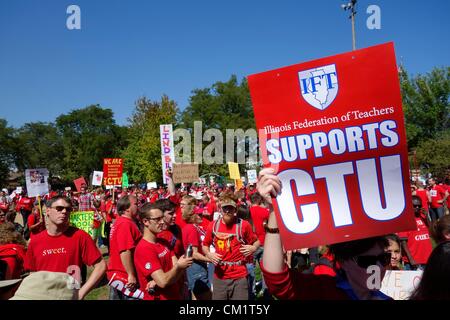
(189, 251)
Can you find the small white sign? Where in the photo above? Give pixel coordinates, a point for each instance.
(252, 176)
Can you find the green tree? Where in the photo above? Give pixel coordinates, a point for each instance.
(426, 104)
(8, 150)
(88, 135)
(142, 155)
(224, 105)
(433, 154)
(40, 147)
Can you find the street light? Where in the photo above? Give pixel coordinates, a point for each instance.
(352, 7)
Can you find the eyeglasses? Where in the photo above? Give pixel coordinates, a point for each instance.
(417, 206)
(367, 261)
(157, 219)
(228, 209)
(61, 208)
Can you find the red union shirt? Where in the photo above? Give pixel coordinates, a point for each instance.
(194, 235)
(124, 235)
(228, 246)
(437, 193)
(259, 215)
(148, 258)
(419, 242)
(56, 253)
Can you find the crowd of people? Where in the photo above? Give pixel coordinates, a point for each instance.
(203, 242)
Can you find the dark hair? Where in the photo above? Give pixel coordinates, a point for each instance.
(350, 249)
(123, 204)
(165, 205)
(145, 209)
(439, 228)
(435, 282)
(51, 201)
(417, 198)
(393, 237)
(256, 198)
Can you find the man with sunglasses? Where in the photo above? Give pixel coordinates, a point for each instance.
(352, 260)
(157, 267)
(64, 248)
(234, 241)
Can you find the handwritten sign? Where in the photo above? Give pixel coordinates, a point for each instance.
(185, 172)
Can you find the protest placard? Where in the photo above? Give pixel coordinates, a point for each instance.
(151, 185)
(112, 171)
(36, 181)
(333, 130)
(125, 180)
(233, 168)
(167, 151)
(79, 182)
(185, 172)
(399, 284)
(252, 176)
(83, 220)
(97, 178)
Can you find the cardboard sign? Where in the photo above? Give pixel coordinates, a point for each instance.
(233, 168)
(151, 185)
(112, 171)
(83, 220)
(333, 130)
(36, 181)
(167, 150)
(79, 182)
(252, 176)
(400, 284)
(185, 172)
(97, 178)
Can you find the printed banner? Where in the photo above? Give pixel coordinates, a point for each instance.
(36, 181)
(167, 151)
(97, 178)
(333, 130)
(83, 220)
(252, 176)
(112, 171)
(399, 284)
(79, 182)
(185, 172)
(233, 168)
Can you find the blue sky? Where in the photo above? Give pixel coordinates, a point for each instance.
(127, 49)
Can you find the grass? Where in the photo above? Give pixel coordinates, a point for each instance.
(101, 292)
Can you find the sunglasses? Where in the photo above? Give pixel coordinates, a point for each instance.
(61, 208)
(367, 261)
(228, 209)
(417, 206)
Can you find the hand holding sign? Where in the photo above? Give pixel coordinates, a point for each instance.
(269, 185)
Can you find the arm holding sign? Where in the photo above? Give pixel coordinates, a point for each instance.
(269, 185)
(170, 183)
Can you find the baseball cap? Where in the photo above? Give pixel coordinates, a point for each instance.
(228, 202)
(46, 285)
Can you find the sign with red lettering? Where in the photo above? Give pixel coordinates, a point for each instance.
(79, 182)
(112, 171)
(333, 130)
(167, 151)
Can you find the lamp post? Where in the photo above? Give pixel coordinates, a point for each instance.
(352, 7)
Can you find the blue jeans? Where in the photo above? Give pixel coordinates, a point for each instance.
(251, 281)
(197, 276)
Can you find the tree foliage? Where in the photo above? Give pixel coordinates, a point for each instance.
(142, 155)
(8, 150)
(88, 135)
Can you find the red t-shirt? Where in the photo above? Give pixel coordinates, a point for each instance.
(148, 258)
(259, 215)
(419, 243)
(14, 256)
(437, 193)
(24, 203)
(34, 218)
(124, 235)
(194, 235)
(179, 219)
(422, 194)
(173, 240)
(56, 253)
(228, 246)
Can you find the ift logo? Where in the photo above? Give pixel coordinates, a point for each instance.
(319, 86)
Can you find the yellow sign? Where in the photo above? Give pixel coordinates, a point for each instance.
(238, 184)
(233, 167)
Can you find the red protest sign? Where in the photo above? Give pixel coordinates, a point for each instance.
(333, 129)
(79, 182)
(112, 171)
